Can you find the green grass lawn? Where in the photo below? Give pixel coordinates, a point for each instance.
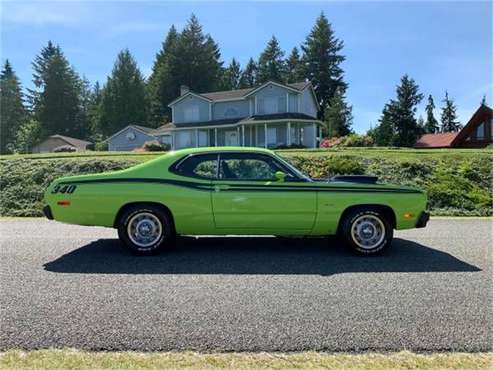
(73, 359)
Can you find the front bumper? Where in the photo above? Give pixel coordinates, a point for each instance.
(47, 212)
(423, 219)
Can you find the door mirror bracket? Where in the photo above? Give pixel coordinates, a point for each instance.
(280, 176)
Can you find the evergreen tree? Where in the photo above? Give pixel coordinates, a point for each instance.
(294, 67)
(321, 61)
(449, 116)
(56, 100)
(196, 61)
(431, 125)
(96, 97)
(163, 85)
(398, 125)
(249, 75)
(12, 110)
(338, 116)
(271, 65)
(232, 76)
(123, 99)
(403, 112)
(383, 134)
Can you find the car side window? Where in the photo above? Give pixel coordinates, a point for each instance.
(201, 166)
(253, 167)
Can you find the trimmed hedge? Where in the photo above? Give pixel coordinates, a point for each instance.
(456, 186)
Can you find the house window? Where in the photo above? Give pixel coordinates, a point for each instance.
(191, 113)
(231, 112)
(271, 104)
(480, 132)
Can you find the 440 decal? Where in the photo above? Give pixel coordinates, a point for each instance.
(64, 189)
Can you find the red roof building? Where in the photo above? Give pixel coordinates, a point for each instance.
(477, 133)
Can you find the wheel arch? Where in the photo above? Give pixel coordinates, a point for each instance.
(128, 205)
(385, 209)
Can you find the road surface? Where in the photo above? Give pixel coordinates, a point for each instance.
(70, 286)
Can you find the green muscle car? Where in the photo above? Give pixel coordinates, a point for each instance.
(230, 190)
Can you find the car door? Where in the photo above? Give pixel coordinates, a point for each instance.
(247, 197)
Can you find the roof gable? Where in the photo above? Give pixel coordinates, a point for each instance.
(190, 93)
(481, 113)
(145, 130)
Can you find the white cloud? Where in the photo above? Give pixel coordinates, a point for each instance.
(42, 13)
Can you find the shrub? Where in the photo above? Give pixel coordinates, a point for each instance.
(64, 149)
(155, 146)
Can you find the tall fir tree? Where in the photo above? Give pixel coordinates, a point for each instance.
(196, 62)
(449, 115)
(163, 86)
(431, 125)
(403, 112)
(96, 97)
(294, 67)
(249, 75)
(123, 99)
(322, 61)
(12, 111)
(271, 65)
(57, 98)
(338, 116)
(232, 76)
(398, 125)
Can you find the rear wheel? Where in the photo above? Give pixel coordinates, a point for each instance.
(145, 229)
(367, 231)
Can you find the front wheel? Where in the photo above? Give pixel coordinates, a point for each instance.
(367, 231)
(144, 229)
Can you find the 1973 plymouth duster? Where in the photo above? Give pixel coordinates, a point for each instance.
(225, 191)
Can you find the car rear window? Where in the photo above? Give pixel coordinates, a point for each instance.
(202, 166)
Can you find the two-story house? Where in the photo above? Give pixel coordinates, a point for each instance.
(271, 115)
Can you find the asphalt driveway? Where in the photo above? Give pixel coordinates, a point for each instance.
(70, 286)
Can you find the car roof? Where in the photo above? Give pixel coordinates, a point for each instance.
(224, 149)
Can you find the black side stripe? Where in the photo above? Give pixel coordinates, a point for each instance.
(244, 187)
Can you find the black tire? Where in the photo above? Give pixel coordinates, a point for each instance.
(367, 240)
(154, 216)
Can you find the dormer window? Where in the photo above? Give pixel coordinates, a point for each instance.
(231, 112)
(191, 114)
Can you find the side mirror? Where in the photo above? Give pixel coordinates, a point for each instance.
(280, 176)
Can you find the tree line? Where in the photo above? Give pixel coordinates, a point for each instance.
(64, 102)
(398, 125)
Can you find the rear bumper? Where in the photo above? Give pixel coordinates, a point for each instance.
(47, 212)
(423, 219)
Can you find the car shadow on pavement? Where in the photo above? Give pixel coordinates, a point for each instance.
(255, 255)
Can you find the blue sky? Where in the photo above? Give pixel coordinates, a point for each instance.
(442, 45)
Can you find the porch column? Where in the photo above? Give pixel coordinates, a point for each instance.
(315, 135)
(243, 135)
(288, 136)
(265, 135)
(196, 137)
(238, 133)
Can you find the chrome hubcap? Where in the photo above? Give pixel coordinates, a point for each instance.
(368, 231)
(144, 229)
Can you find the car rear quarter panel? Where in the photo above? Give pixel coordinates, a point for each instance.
(331, 206)
(99, 203)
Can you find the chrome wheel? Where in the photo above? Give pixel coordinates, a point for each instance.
(144, 229)
(368, 231)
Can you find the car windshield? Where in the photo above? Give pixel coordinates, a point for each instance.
(293, 168)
